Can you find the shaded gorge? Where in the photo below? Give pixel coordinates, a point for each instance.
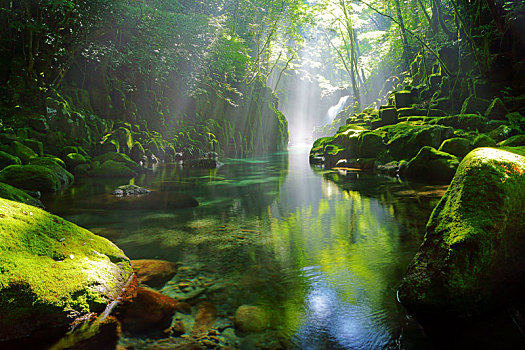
(321, 251)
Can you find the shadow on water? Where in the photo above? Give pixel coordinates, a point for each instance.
(322, 251)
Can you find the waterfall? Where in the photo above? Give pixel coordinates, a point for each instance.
(334, 110)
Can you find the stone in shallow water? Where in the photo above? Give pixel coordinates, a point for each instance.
(148, 311)
(130, 190)
(154, 273)
(251, 319)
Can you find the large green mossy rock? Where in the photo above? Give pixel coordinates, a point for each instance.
(370, 145)
(483, 140)
(473, 253)
(7, 159)
(405, 139)
(111, 168)
(53, 272)
(514, 141)
(474, 105)
(471, 122)
(36, 177)
(431, 164)
(35, 145)
(48, 161)
(457, 146)
(117, 157)
(74, 159)
(403, 99)
(17, 195)
(496, 110)
(21, 151)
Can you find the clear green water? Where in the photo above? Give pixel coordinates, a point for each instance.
(322, 251)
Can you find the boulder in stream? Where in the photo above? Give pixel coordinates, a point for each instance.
(53, 273)
(473, 254)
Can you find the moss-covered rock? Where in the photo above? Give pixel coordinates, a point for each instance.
(111, 168)
(501, 133)
(17, 195)
(74, 159)
(117, 157)
(473, 254)
(457, 146)
(517, 140)
(431, 164)
(388, 116)
(471, 122)
(403, 99)
(474, 105)
(48, 161)
(370, 145)
(82, 170)
(496, 110)
(35, 145)
(483, 140)
(35, 177)
(7, 159)
(53, 272)
(21, 151)
(405, 139)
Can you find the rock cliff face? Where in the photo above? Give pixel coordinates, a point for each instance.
(52, 272)
(473, 254)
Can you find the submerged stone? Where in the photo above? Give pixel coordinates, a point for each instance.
(473, 254)
(41, 288)
(251, 319)
(149, 311)
(154, 273)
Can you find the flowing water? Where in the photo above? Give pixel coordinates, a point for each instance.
(321, 251)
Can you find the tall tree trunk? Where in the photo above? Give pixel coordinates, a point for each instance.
(406, 54)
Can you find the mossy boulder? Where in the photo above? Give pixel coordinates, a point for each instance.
(117, 157)
(403, 99)
(473, 254)
(21, 151)
(431, 164)
(54, 273)
(496, 110)
(49, 161)
(17, 195)
(405, 139)
(370, 145)
(74, 159)
(483, 140)
(388, 116)
(474, 105)
(501, 133)
(35, 145)
(35, 177)
(471, 122)
(7, 159)
(111, 168)
(514, 141)
(457, 146)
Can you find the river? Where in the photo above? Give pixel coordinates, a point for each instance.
(321, 251)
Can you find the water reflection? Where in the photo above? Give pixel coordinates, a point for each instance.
(321, 250)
